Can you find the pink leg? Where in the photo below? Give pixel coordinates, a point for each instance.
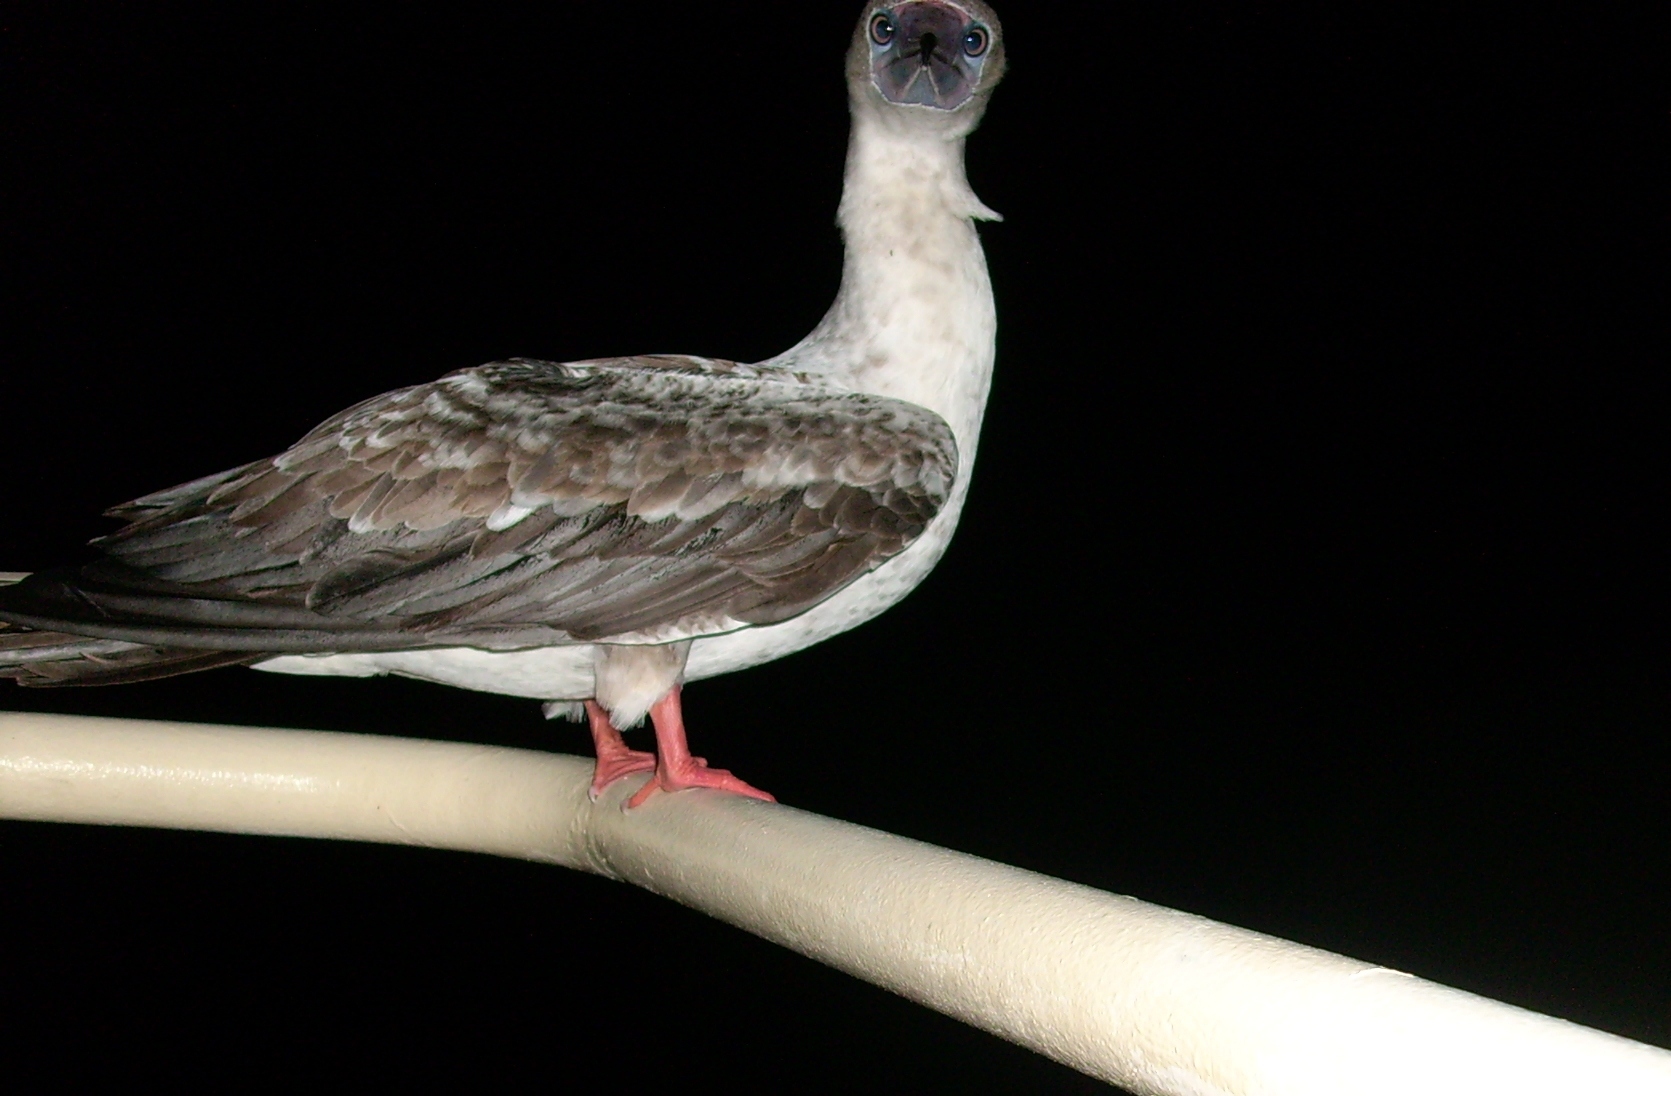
(615, 760)
(676, 769)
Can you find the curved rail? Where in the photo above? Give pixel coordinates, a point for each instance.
(1150, 998)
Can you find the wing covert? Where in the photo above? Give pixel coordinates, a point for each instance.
(519, 501)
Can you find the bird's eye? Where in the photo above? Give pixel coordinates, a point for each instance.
(881, 30)
(976, 41)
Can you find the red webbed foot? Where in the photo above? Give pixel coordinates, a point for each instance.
(695, 774)
(676, 769)
(615, 759)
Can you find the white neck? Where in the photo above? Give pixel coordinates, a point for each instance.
(914, 319)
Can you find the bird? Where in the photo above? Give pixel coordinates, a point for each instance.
(595, 534)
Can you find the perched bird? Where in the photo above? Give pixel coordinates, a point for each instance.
(594, 534)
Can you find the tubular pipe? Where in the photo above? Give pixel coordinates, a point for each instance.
(1155, 1000)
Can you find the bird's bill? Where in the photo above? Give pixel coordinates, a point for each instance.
(927, 53)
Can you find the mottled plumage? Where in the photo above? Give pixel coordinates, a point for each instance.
(520, 504)
(595, 533)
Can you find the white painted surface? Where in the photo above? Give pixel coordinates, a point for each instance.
(1150, 998)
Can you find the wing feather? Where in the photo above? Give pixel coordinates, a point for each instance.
(521, 501)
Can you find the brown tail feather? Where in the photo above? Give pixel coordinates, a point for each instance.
(50, 659)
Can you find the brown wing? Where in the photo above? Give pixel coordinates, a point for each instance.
(522, 503)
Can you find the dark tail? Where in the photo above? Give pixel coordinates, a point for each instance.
(44, 659)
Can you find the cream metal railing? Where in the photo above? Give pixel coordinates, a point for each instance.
(1150, 998)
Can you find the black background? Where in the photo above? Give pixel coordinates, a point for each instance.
(1313, 577)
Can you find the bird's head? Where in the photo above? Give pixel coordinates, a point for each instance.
(934, 62)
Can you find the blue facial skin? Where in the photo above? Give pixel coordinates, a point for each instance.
(927, 54)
